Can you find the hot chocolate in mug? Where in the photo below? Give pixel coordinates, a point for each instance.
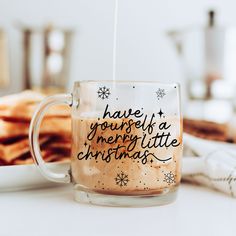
(126, 142)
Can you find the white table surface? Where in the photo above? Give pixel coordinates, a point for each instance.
(52, 211)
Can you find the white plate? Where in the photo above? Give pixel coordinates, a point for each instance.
(20, 177)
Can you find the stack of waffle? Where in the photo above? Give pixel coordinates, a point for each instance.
(15, 115)
(211, 130)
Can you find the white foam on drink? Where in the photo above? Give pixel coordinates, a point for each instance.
(114, 41)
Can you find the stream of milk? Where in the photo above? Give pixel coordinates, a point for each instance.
(114, 65)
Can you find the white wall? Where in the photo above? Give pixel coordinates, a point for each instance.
(144, 52)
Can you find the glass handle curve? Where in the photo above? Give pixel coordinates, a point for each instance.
(34, 136)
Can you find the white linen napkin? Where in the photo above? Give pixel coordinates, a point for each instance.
(210, 163)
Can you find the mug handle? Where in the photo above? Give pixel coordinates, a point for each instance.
(34, 136)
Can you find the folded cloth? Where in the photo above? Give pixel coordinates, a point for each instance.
(210, 163)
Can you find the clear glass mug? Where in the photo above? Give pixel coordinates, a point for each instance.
(126, 142)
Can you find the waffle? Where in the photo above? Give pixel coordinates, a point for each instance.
(55, 132)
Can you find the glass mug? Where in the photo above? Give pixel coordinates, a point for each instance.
(126, 142)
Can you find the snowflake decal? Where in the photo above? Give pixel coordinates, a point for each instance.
(103, 92)
(122, 179)
(160, 93)
(169, 178)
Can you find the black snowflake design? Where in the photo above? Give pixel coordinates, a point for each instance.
(169, 178)
(103, 92)
(122, 179)
(160, 93)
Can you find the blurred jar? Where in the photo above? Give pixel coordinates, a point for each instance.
(4, 60)
(208, 56)
(46, 58)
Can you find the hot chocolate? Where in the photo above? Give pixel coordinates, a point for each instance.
(126, 142)
(129, 154)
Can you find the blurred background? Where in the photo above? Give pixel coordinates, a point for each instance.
(153, 38)
(47, 45)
